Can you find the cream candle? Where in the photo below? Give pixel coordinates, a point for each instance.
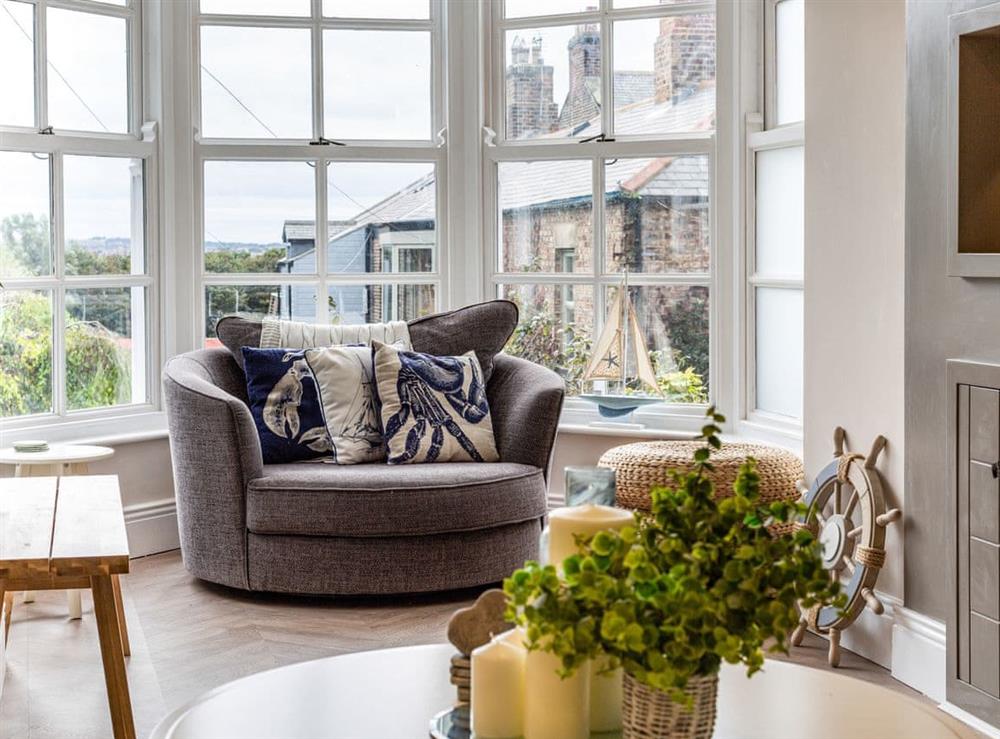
(498, 670)
(605, 696)
(555, 707)
(565, 524)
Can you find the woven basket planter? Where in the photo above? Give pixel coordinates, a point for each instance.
(648, 713)
(644, 465)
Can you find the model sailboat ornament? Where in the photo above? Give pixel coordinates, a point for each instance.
(610, 360)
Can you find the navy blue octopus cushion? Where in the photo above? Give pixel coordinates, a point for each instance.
(433, 409)
(285, 405)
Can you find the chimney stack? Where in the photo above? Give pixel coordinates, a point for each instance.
(684, 56)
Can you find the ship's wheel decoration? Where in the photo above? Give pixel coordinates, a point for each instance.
(846, 510)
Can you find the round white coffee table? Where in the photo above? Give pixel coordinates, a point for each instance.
(58, 460)
(395, 693)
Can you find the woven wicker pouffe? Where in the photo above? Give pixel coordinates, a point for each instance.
(644, 465)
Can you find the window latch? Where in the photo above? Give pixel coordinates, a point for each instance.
(47, 131)
(326, 142)
(995, 469)
(598, 137)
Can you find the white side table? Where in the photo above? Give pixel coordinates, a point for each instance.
(59, 460)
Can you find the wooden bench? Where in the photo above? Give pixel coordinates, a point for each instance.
(61, 533)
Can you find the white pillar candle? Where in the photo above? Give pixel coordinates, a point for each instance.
(555, 707)
(498, 690)
(565, 524)
(605, 696)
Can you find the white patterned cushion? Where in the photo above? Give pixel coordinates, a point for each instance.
(434, 409)
(345, 383)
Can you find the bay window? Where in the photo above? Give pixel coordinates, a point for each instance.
(318, 159)
(775, 229)
(602, 165)
(76, 254)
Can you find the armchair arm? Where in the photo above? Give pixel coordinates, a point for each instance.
(215, 452)
(525, 402)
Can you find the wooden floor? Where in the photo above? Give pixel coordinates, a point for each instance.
(188, 636)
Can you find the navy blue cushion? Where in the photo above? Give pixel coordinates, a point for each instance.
(285, 405)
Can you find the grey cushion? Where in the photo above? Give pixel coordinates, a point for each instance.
(483, 328)
(378, 500)
(236, 332)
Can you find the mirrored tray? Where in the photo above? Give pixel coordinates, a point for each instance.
(454, 724)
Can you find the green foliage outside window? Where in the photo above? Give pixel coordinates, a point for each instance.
(98, 371)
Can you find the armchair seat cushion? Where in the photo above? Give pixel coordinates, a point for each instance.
(379, 500)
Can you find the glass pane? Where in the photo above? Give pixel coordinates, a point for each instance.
(252, 210)
(104, 346)
(25, 240)
(256, 7)
(256, 83)
(553, 82)
(780, 215)
(87, 71)
(103, 202)
(25, 352)
(17, 60)
(617, 4)
(368, 94)
(674, 320)
(379, 303)
(656, 214)
(790, 64)
(555, 329)
(546, 216)
(664, 75)
(377, 8)
(779, 351)
(524, 8)
(382, 218)
(294, 302)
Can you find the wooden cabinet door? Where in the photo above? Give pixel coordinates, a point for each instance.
(974, 624)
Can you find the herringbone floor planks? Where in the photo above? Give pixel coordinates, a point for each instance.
(188, 637)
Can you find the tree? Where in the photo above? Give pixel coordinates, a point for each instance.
(98, 371)
(25, 245)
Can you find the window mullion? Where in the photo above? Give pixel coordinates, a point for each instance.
(317, 71)
(41, 68)
(607, 75)
(598, 248)
(59, 294)
(322, 239)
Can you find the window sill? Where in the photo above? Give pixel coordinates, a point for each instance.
(626, 432)
(112, 430)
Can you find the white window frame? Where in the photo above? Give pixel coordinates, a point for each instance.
(140, 142)
(433, 150)
(761, 134)
(714, 145)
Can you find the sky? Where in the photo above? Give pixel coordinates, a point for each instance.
(256, 83)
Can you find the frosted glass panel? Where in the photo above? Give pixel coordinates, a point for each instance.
(780, 229)
(789, 42)
(779, 351)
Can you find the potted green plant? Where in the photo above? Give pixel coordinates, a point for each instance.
(701, 580)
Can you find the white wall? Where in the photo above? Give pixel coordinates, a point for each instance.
(854, 240)
(147, 486)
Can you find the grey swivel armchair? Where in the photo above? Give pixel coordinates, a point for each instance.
(360, 529)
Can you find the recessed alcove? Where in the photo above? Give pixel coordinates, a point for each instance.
(979, 142)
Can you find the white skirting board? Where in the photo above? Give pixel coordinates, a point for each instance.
(152, 527)
(918, 652)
